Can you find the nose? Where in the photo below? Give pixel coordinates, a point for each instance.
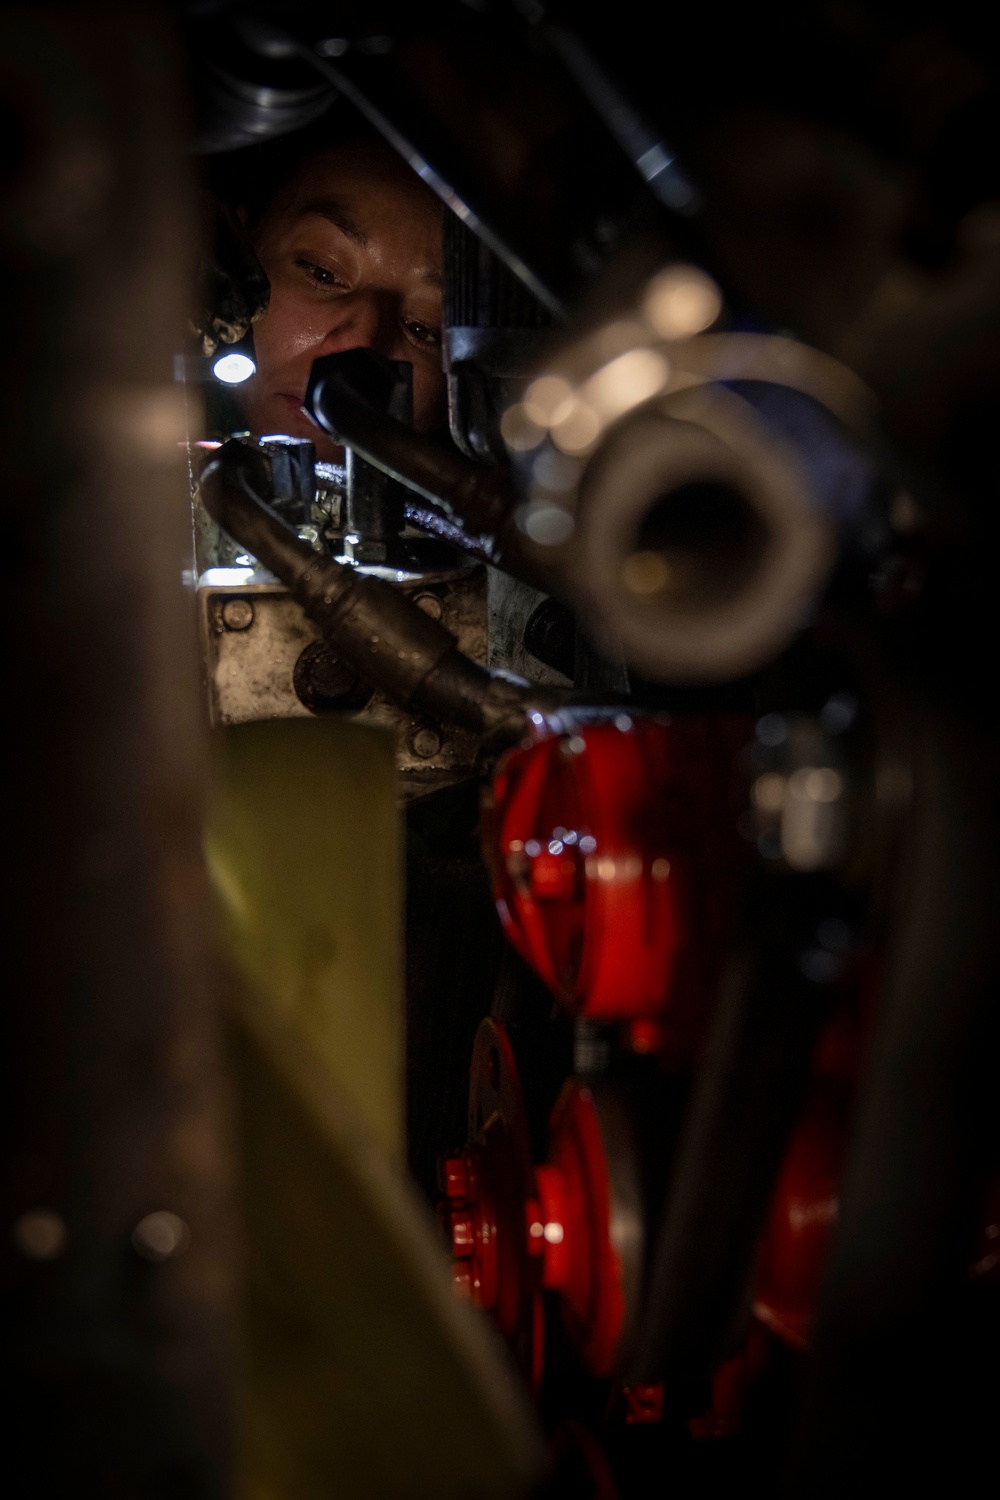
(361, 320)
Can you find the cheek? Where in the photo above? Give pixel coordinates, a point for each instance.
(286, 334)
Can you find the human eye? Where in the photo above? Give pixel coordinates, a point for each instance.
(321, 276)
(422, 333)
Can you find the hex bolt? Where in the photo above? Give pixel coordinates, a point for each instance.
(425, 742)
(237, 614)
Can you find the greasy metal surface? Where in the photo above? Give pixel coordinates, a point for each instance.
(510, 604)
(250, 672)
(364, 1377)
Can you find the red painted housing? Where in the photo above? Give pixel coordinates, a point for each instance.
(614, 856)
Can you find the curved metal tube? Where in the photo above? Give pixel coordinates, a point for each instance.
(370, 625)
(467, 504)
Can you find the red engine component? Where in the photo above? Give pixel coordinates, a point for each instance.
(573, 1225)
(586, 1223)
(613, 854)
(803, 1211)
(486, 1188)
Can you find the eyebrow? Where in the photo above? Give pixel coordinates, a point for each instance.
(335, 213)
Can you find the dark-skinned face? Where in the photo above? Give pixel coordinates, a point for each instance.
(352, 249)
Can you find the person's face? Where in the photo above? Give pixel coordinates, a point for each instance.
(352, 249)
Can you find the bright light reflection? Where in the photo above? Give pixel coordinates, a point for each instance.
(682, 301)
(519, 429)
(626, 382)
(576, 428)
(233, 369)
(548, 399)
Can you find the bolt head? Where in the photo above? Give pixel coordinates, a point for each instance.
(430, 604)
(425, 742)
(237, 614)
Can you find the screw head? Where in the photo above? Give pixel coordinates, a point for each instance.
(237, 614)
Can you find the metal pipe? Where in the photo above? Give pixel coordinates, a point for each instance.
(367, 623)
(468, 504)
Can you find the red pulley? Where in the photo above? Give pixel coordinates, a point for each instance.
(486, 1188)
(613, 851)
(586, 1224)
(572, 1226)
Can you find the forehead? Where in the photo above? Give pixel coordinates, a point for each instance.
(374, 187)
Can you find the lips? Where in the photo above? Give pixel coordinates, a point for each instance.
(296, 424)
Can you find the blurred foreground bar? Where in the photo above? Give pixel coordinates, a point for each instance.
(117, 1243)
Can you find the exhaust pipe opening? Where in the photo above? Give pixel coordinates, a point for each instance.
(699, 547)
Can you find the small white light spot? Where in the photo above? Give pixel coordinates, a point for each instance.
(537, 718)
(623, 722)
(553, 1233)
(588, 844)
(536, 1229)
(606, 868)
(160, 1235)
(555, 846)
(532, 848)
(233, 369)
(660, 869)
(576, 744)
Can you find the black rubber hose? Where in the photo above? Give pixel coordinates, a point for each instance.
(368, 624)
(466, 503)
